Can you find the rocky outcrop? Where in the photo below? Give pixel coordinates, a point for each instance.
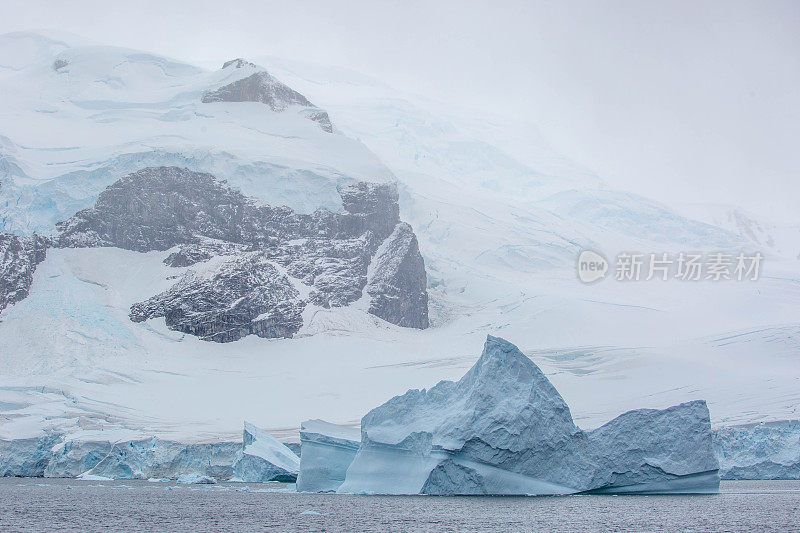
(396, 281)
(242, 296)
(264, 88)
(19, 257)
(765, 450)
(261, 265)
(504, 429)
(158, 208)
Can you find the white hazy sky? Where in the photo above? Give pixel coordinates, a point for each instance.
(683, 101)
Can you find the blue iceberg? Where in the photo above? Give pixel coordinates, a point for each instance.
(504, 429)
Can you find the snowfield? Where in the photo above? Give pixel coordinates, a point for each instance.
(500, 219)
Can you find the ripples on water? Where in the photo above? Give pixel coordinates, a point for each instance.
(72, 505)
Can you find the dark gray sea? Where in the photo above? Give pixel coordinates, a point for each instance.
(72, 505)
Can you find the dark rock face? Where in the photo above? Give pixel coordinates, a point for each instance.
(238, 63)
(258, 87)
(263, 87)
(246, 295)
(156, 209)
(396, 280)
(265, 263)
(320, 117)
(19, 258)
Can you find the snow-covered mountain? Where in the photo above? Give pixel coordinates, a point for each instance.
(497, 216)
(780, 239)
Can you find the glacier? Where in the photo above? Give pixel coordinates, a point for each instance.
(158, 458)
(764, 450)
(327, 450)
(56, 457)
(26, 457)
(504, 429)
(258, 458)
(264, 458)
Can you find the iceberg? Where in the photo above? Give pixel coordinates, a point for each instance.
(766, 450)
(264, 458)
(195, 479)
(327, 450)
(655, 451)
(504, 429)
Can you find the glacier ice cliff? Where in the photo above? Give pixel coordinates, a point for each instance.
(327, 452)
(156, 458)
(26, 457)
(264, 458)
(766, 450)
(504, 429)
(53, 456)
(258, 458)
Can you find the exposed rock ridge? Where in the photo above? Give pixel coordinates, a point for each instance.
(264, 88)
(19, 257)
(262, 264)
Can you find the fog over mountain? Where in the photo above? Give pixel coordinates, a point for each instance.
(681, 101)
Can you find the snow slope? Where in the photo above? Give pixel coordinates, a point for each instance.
(76, 118)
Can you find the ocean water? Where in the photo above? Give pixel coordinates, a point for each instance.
(72, 505)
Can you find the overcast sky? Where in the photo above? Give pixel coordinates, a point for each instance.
(683, 101)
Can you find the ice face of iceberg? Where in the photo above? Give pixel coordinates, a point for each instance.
(264, 458)
(503, 414)
(504, 429)
(327, 451)
(767, 450)
(659, 451)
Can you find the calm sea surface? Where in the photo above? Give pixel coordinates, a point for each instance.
(71, 505)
